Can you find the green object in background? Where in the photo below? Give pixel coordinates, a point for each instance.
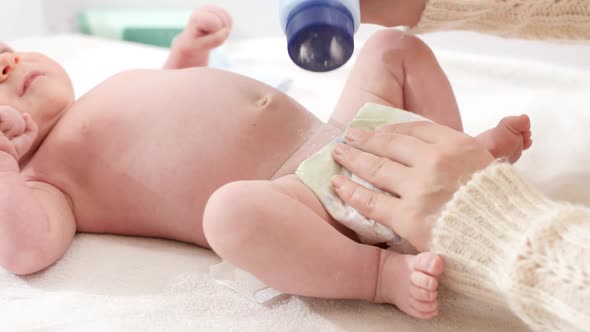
(152, 27)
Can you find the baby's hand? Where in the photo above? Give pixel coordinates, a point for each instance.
(17, 132)
(208, 27)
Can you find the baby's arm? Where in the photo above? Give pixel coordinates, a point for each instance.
(37, 224)
(36, 220)
(207, 28)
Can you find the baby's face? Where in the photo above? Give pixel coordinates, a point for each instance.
(33, 83)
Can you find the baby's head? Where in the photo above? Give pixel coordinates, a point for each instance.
(33, 83)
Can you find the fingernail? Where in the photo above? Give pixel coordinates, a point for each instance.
(337, 181)
(353, 134)
(340, 149)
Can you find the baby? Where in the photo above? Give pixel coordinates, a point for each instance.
(208, 157)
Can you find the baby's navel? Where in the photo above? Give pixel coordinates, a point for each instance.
(263, 102)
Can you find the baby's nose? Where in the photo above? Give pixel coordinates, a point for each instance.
(8, 61)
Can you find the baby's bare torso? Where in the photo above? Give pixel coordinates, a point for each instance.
(142, 152)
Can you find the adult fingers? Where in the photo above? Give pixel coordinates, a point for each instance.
(383, 173)
(372, 204)
(401, 148)
(424, 130)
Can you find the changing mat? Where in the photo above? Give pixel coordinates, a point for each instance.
(113, 283)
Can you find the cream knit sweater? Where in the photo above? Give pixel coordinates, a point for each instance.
(501, 240)
(534, 19)
(504, 242)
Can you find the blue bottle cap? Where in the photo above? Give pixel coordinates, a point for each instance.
(320, 35)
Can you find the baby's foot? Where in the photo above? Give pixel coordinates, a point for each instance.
(208, 27)
(410, 282)
(509, 138)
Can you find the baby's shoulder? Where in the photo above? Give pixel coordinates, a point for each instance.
(131, 73)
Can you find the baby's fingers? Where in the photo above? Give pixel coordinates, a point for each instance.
(208, 19)
(23, 142)
(31, 127)
(213, 40)
(206, 23)
(11, 122)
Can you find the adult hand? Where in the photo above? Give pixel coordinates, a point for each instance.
(421, 164)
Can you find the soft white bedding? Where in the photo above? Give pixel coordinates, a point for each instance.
(110, 283)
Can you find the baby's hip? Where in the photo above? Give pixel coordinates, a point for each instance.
(318, 138)
(293, 187)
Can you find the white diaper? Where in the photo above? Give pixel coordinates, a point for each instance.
(317, 171)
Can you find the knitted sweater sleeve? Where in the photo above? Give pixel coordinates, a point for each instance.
(504, 242)
(531, 19)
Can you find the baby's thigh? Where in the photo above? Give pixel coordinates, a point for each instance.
(291, 185)
(241, 211)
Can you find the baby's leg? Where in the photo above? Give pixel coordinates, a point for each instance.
(208, 27)
(509, 138)
(398, 70)
(279, 232)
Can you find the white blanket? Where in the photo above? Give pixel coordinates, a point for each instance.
(110, 283)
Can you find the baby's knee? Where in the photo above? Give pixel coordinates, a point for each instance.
(389, 44)
(229, 219)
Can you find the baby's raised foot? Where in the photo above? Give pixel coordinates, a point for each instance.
(510, 137)
(208, 27)
(410, 282)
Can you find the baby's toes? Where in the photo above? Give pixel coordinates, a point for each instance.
(422, 294)
(527, 140)
(518, 125)
(424, 281)
(429, 263)
(515, 156)
(424, 309)
(419, 295)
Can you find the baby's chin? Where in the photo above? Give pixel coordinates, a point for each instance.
(47, 117)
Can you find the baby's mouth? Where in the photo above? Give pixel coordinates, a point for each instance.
(29, 78)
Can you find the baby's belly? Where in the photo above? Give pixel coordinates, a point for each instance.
(146, 149)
